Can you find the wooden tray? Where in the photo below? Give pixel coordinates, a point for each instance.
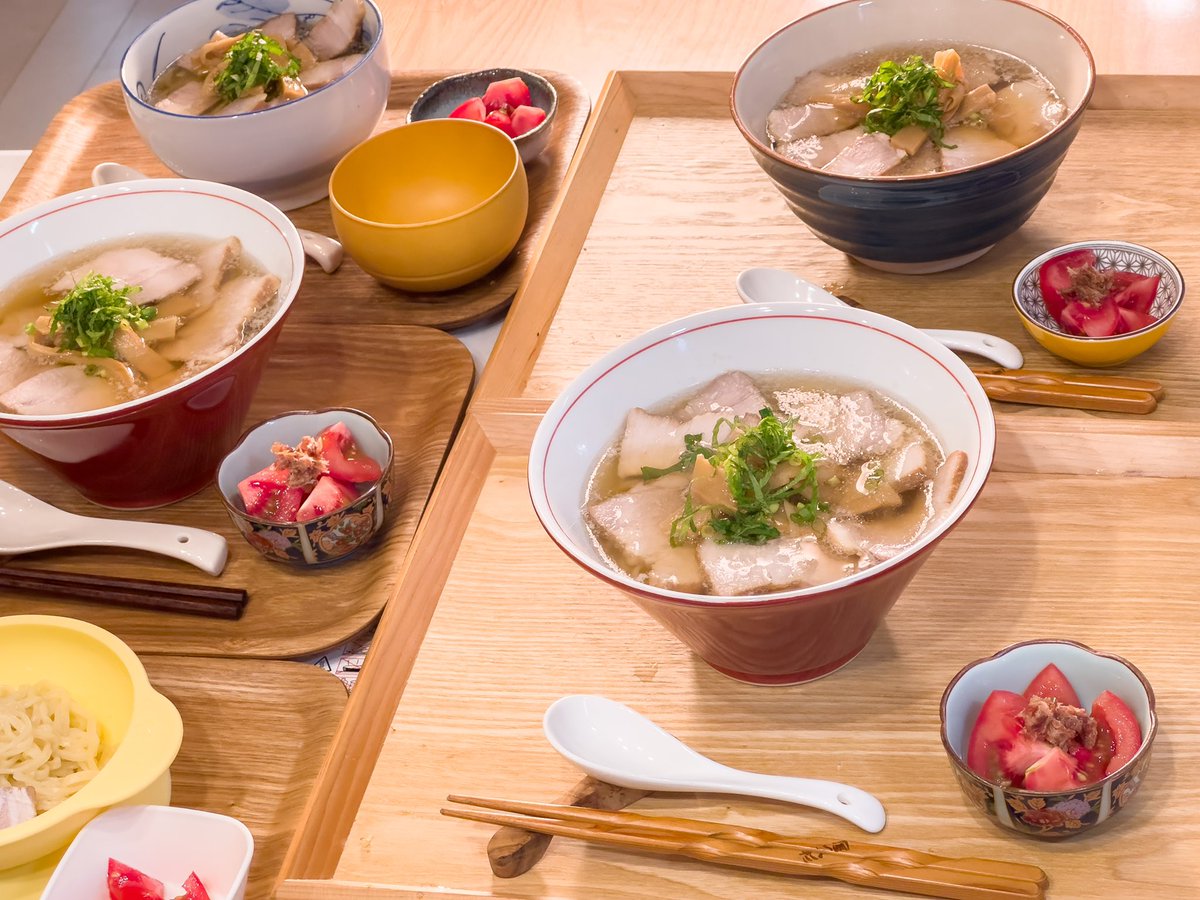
(95, 128)
(642, 235)
(254, 732)
(415, 388)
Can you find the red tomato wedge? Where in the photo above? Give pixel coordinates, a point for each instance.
(1132, 319)
(527, 118)
(266, 495)
(329, 495)
(127, 883)
(507, 94)
(1093, 321)
(471, 109)
(345, 458)
(1136, 292)
(1055, 771)
(1051, 682)
(193, 889)
(1054, 278)
(996, 731)
(1114, 715)
(498, 118)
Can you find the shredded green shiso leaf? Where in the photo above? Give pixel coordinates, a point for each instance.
(86, 319)
(251, 62)
(905, 94)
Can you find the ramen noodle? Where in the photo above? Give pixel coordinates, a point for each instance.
(47, 743)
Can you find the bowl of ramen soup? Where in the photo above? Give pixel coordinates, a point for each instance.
(914, 134)
(83, 731)
(135, 321)
(266, 97)
(764, 480)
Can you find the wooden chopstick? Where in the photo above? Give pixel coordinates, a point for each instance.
(163, 596)
(1068, 396)
(868, 865)
(1032, 376)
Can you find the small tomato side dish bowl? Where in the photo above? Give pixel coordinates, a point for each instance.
(321, 523)
(163, 446)
(801, 633)
(986, 724)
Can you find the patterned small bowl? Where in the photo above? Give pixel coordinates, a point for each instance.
(324, 539)
(443, 97)
(1047, 814)
(1100, 351)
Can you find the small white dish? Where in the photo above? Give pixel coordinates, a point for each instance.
(164, 842)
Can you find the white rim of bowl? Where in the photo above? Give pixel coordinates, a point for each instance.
(893, 328)
(1039, 261)
(132, 94)
(183, 186)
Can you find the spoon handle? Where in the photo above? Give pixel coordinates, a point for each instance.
(988, 346)
(202, 549)
(850, 803)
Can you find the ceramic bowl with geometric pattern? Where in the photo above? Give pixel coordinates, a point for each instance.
(1100, 351)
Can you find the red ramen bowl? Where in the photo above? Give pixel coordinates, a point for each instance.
(166, 445)
(795, 635)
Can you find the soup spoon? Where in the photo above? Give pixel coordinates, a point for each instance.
(28, 524)
(764, 285)
(610, 741)
(321, 249)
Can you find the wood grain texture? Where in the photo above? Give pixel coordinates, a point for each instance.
(415, 390)
(95, 128)
(254, 732)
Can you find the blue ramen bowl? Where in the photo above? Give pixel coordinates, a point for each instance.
(920, 223)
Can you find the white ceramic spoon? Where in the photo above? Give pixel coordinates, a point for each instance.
(324, 251)
(28, 524)
(610, 741)
(780, 286)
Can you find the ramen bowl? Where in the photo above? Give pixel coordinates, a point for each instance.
(430, 206)
(140, 729)
(1047, 814)
(166, 445)
(326, 538)
(283, 153)
(798, 634)
(1100, 351)
(443, 97)
(925, 223)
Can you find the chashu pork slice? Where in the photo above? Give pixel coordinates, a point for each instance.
(217, 332)
(158, 276)
(16, 366)
(739, 569)
(842, 428)
(639, 523)
(337, 29)
(869, 156)
(331, 70)
(59, 390)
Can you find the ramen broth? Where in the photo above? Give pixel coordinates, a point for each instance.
(862, 479)
(864, 115)
(124, 319)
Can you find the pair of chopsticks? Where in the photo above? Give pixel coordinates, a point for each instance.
(162, 596)
(868, 865)
(1106, 393)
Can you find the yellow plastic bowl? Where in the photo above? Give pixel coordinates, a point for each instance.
(430, 206)
(140, 729)
(1100, 351)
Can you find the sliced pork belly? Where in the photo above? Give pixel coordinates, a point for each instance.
(250, 101)
(926, 161)
(282, 28)
(1023, 112)
(844, 429)
(330, 70)
(870, 155)
(15, 366)
(793, 122)
(971, 146)
(158, 276)
(817, 87)
(193, 98)
(214, 334)
(337, 30)
(736, 569)
(908, 466)
(639, 523)
(948, 480)
(817, 150)
(733, 394)
(214, 261)
(62, 389)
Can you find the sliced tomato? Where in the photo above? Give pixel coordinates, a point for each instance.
(329, 495)
(507, 94)
(527, 118)
(1094, 321)
(266, 494)
(1093, 763)
(1113, 715)
(1055, 771)
(127, 883)
(1135, 292)
(1133, 320)
(498, 118)
(996, 731)
(193, 889)
(470, 109)
(345, 458)
(1051, 682)
(1054, 278)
